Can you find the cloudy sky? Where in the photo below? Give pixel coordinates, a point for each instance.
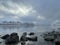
(36, 11)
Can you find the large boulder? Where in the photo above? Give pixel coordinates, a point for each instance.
(12, 39)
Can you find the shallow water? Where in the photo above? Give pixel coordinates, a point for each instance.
(37, 29)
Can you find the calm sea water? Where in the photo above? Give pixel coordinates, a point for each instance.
(37, 29)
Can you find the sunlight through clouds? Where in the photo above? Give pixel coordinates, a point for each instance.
(25, 10)
(39, 11)
(22, 11)
(18, 10)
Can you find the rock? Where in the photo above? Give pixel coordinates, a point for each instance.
(50, 36)
(0, 42)
(32, 37)
(5, 36)
(13, 34)
(31, 33)
(12, 39)
(23, 37)
(57, 43)
(49, 39)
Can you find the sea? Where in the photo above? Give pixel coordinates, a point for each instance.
(38, 30)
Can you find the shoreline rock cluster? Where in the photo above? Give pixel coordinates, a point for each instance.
(53, 36)
(13, 38)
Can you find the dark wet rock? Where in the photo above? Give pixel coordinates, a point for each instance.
(5, 36)
(0, 42)
(12, 39)
(57, 43)
(49, 39)
(13, 34)
(23, 37)
(32, 33)
(50, 36)
(32, 37)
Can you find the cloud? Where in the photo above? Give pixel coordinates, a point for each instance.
(42, 11)
(34, 22)
(1, 16)
(56, 22)
(15, 17)
(17, 9)
(40, 17)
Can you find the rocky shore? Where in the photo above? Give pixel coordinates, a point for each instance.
(14, 39)
(53, 36)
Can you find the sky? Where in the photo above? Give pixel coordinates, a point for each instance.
(35, 11)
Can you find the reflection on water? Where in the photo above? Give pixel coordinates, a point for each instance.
(37, 29)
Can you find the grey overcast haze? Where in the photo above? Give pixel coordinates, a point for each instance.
(36, 11)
